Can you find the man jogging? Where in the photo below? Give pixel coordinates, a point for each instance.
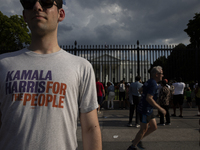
(145, 108)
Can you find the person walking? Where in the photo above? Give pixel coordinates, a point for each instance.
(111, 95)
(134, 99)
(164, 98)
(100, 93)
(178, 96)
(145, 108)
(127, 103)
(122, 94)
(188, 96)
(44, 90)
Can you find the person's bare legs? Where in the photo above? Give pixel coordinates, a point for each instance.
(145, 129)
(152, 127)
(141, 133)
(98, 109)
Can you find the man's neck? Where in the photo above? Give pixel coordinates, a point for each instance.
(44, 44)
(156, 79)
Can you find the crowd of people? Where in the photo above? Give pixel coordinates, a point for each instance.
(141, 98)
(171, 93)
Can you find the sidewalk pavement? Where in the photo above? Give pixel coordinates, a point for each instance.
(182, 134)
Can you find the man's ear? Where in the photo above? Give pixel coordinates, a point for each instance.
(24, 16)
(61, 14)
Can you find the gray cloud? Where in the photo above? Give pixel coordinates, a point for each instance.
(112, 22)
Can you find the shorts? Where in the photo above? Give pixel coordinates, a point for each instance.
(100, 100)
(197, 101)
(145, 118)
(178, 99)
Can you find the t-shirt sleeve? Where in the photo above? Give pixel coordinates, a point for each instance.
(102, 86)
(88, 94)
(152, 88)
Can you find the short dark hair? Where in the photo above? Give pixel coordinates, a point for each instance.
(59, 3)
(137, 78)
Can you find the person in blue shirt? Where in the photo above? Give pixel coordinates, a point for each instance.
(134, 99)
(111, 94)
(145, 107)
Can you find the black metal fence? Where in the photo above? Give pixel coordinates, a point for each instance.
(124, 62)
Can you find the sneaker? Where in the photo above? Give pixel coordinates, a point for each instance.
(169, 124)
(129, 125)
(173, 115)
(161, 124)
(132, 148)
(137, 125)
(140, 145)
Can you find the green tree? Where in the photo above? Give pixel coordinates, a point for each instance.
(193, 31)
(14, 33)
(161, 61)
(180, 63)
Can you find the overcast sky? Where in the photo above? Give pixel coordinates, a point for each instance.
(117, 22)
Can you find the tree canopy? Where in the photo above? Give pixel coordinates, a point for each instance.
(193, 31)
(184, 60)
(14, 33)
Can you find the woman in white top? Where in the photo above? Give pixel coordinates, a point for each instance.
(178, 96)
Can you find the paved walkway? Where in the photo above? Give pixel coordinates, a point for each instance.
(183, 134)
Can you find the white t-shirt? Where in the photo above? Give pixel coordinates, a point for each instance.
(178, 88)
(41, 96)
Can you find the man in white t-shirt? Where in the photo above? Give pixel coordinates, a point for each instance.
(44, 90)
(178, 96)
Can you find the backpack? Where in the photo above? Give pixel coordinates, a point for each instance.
(122, 87)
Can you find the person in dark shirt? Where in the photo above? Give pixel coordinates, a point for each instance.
(145, 107)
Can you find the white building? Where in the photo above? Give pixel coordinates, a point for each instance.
(112, 68)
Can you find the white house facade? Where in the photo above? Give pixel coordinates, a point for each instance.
(115, 69)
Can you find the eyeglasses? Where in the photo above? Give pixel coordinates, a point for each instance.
(29, 4)
(160, 73)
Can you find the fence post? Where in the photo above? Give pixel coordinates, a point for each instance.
(75, 43)
(138, 59)
(196, 68)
